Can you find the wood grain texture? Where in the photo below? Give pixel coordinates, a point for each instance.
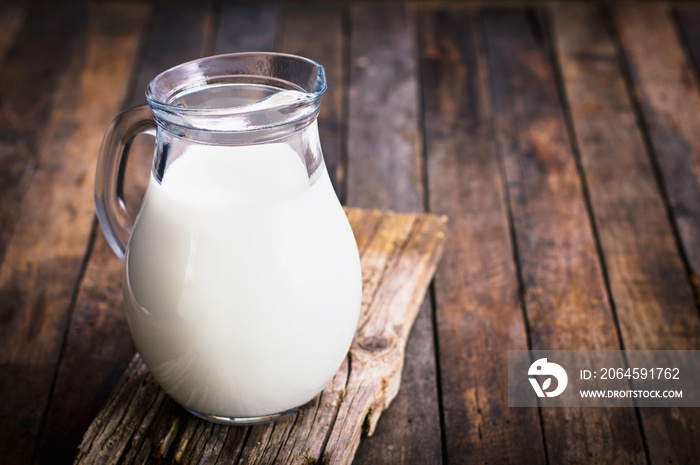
(653, 298)
(29, 75)
(650, 288)
(564, 291)
(632, 120)
(316, 32)
(44, 255)
(385, 170)
(478, 307)
(384, 163)
(399, 253)
(98, 342)
(669, 98)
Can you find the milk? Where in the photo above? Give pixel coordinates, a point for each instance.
(242, 280)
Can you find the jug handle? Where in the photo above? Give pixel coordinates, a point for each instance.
(111, 209)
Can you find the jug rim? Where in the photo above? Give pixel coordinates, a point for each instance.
(161, 102)
(196, 100)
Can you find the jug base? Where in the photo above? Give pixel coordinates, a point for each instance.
(243, 421)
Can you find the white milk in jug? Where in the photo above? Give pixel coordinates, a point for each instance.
(242, 282)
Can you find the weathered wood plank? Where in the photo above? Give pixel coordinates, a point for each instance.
(566, 301)
(384, 161)
(669, 98)
(315, 31)
(98, 340)
(28, 79)
(384, 170)
(652, 295)
(478, 308)
(44, 255)
(399, 253)
(653, 298)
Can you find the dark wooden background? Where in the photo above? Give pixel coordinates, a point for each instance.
(562, 140)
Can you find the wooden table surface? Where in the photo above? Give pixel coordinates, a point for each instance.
(562, 140)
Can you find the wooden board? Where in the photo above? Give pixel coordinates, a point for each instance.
(564, 291)
(399, 254)
(649, 280)
(31, 72)
(669, 99)
(649, 286)
(477, 303)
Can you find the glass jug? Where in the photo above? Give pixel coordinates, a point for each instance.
(242, 281)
